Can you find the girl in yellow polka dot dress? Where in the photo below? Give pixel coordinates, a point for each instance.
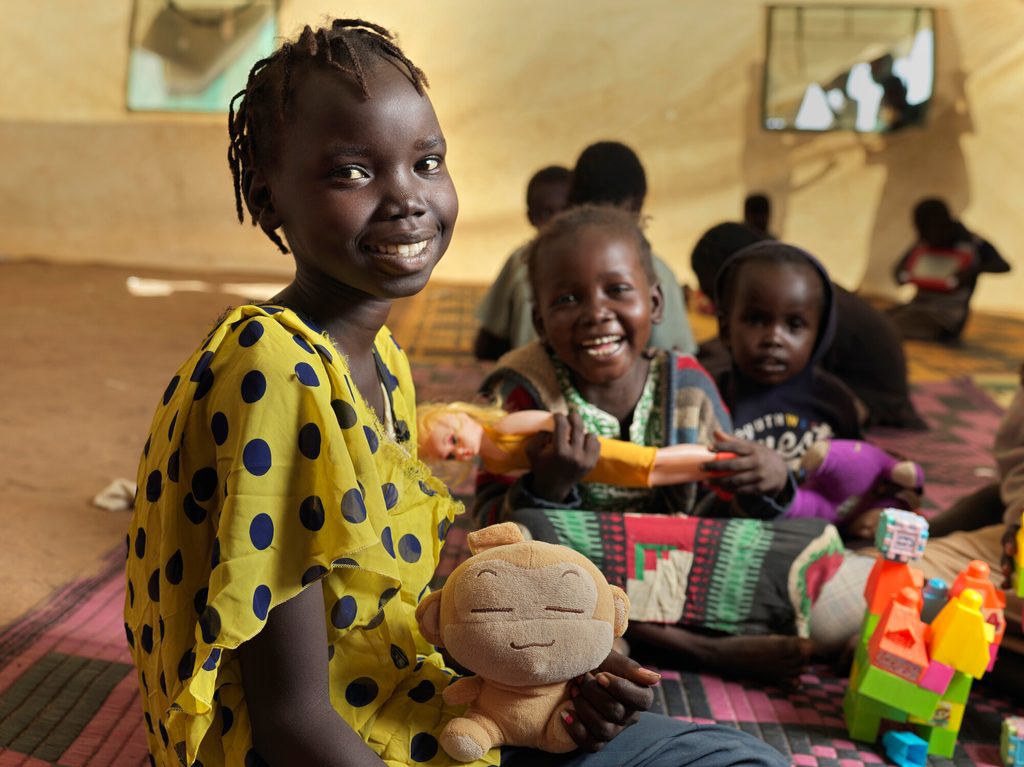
(284, 529)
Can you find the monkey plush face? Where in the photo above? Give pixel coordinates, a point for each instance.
(538, 624)
(525, 613)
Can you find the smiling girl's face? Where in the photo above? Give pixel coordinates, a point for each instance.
(360, 186)
(594, 307)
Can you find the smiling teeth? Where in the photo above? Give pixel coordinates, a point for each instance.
(603, 346)
(404, 251)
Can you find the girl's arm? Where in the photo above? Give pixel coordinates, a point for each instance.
(284, 675)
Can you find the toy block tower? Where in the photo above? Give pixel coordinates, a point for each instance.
(909, 671)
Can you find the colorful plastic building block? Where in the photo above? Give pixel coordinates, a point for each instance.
(916, 673)
(976, 576)
(888, 578)
(935, 594)
(960, 637)
(1011, 742)
(898, 643)
(901, 535)
(905, 749)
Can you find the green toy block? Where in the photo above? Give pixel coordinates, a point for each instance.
(941, 742)
(863, 715)
(868, 626)
(894, 691)
(959, 688)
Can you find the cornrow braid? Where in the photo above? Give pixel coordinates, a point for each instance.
(255, 120)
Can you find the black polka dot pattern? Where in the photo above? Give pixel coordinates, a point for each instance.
(254, 386)
(309, 441)
(311, 512)
(361, 692)
(273, 476)
(423, 747)
(343, 612)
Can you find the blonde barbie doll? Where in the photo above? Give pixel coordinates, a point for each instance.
(462, 430)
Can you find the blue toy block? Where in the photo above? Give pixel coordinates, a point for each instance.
(905, 749)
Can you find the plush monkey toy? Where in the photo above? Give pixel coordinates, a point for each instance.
(527, 618)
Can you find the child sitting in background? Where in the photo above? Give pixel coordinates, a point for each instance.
(944, 264)
(866, 352)
(606, 173)
(595, 305)
(504, 312)
(776, 316)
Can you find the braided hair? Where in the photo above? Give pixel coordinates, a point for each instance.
(263, 106)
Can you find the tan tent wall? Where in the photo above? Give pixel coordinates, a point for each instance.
(519, 85)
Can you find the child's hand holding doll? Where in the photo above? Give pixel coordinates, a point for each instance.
(561, 458)
(756, 469)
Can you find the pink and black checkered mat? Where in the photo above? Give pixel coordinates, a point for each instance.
(68, 693)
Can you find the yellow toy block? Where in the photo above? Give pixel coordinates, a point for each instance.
(960, 637)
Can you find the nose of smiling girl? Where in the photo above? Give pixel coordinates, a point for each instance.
(402, 198)
(595, 311)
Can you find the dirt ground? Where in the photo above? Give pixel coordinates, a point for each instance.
(84, 365)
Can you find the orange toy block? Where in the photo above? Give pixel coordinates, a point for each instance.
(887, 579)
(898, 644)
(960, 637)
(976, 576)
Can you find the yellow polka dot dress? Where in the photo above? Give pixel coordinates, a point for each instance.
(265, 471)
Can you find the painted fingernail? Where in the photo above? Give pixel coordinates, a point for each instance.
(567, 717)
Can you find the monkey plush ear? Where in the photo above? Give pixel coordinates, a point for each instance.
(495, 535)
(621, 610)
(428, 615)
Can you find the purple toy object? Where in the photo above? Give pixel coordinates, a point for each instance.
(845, 478)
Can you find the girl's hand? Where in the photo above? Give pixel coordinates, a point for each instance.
(607, 700)
(756, 469)
(1008, 561)
(562, 457)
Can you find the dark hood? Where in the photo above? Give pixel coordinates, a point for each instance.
(807, 407)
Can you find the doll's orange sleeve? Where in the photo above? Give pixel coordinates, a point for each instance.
(623, 463)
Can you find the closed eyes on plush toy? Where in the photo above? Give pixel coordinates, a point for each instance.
(550, 608)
